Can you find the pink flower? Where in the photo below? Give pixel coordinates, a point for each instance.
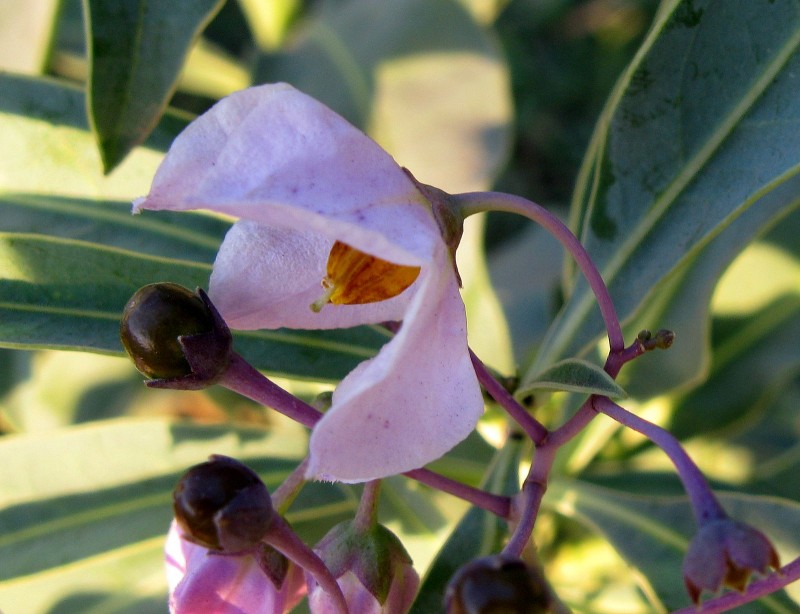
(201, 581)
(328, 219)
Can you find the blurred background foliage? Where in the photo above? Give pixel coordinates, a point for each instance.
(469, 94)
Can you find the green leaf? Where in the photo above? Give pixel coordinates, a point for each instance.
(102, 494)
(70, 294)
(698, 130)
(663, 527)
(479, 532)
(577, 375)
(136, 52)
(44, 123)
(683, 302)
(754, 358)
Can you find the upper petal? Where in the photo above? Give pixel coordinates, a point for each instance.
(275, 155)
(412, 402)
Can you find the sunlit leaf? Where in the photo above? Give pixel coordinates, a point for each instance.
(698, 130)
(136, 52)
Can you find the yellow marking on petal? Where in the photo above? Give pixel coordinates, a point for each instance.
(356, 278)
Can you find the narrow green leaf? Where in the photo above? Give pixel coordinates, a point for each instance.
(698, 130)
(577, 375)
(663, 527)
(136, 52)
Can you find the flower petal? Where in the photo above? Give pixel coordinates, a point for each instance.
(271, 154)
(201, 581)
(412, 402)
(266, 277)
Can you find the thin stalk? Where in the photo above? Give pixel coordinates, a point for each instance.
(367, 513)
(281, 537)
(284, 494)
(534, 429)
(704, 503)
(499, 505)
(476, 202)
(245, 379)
(530, 499)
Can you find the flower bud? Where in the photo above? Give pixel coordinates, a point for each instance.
(497, 583)
(223, 505)
(371, 567)
(725, 553)
(175, 335)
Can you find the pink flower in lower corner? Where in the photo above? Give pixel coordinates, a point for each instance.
(332, 233)
(203, 582)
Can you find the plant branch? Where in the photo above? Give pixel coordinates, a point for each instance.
(476, 202)
(704, 503)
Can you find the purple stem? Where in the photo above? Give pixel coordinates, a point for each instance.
(535, 430)
(776, 581)
(704, 503)
(498, 505)
(475, 202)
(530, 499)
(243, 378)
(281, 537)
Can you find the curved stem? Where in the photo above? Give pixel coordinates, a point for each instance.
(704, 503)
(281, 537)
(496, 504)
(535, 430)
(476, 202)
(245, 379)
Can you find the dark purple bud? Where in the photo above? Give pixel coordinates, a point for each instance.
(223, 505)
(175, 336)
(725, 553)
(496, 584)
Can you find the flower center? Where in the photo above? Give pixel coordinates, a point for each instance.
(355, 278)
